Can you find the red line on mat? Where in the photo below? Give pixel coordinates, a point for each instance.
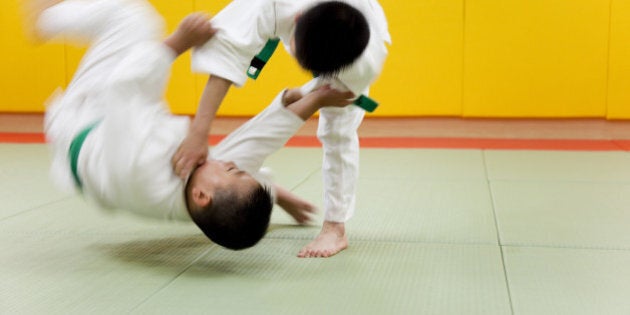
(415, 142)
(497, 144)
(18, 137)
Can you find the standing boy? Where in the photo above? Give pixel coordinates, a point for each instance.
(341, 42)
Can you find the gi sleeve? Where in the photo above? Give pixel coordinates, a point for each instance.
(254, 141)
(77, 20)
(244, 26)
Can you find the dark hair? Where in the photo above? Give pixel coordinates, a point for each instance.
(232, 220)
(330, 37)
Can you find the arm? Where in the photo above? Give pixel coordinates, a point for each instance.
(194, 30)
(194, 149)
(243, 29)
(226, 59)
(305, 106)
(250, 144)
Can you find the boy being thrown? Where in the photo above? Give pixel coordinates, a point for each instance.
(112, 136)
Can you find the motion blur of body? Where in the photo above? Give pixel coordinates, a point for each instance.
(112, 136)
(341, 42)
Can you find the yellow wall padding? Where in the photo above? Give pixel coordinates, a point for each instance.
(619, 77)
(423, 73)
(536, 58)
(28, 73)
(469, 58)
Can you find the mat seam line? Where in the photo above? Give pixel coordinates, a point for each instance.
(602, 249)
(496, 224)
(619, 249)
(305, 179)
(168, 283)
(34, 208)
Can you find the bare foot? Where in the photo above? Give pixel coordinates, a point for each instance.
(193, 30)
(295, 206)
(330, 241)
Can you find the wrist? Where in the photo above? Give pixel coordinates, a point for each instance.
(316, 100)
(290, 96)
(175, 44)
(199, 130)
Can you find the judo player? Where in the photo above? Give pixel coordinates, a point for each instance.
(112, 136)
(343, 43)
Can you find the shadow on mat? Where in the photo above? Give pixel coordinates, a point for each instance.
(167, 252)
(197, 254)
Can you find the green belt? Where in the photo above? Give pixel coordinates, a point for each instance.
(73, 152)
(260, 60)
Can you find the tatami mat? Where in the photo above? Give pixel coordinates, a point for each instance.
(290, 168)
(435, 232)
(410, 210)
(608, 166)
(568, 281)
(426, 164)
(564, 214)
(25, 183)
(372, 278)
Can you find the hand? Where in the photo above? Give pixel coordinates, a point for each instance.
(191, 153)
(298, 208)
(304, 107)
(327, 96)
(196, 29)
(291, 96)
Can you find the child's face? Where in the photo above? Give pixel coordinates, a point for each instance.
(219, 174)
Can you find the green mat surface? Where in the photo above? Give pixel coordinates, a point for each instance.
(435, 232)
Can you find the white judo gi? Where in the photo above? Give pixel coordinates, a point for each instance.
(245, 26)
(124, 162)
